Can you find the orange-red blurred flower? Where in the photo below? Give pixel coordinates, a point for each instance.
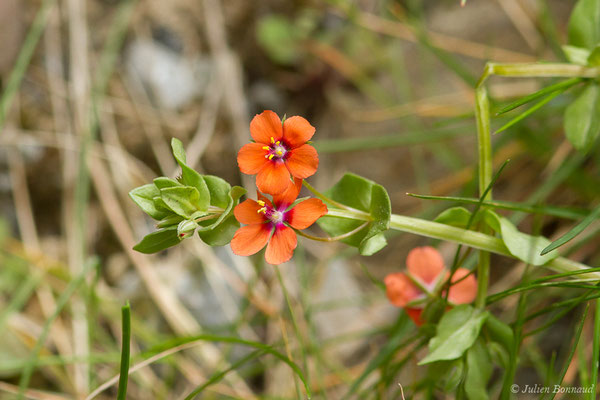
(426, 267)
(280, 150)
(270, 222)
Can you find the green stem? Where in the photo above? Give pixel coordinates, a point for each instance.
(125, 352)
(482, 115)
(476, 240)
(334, 238)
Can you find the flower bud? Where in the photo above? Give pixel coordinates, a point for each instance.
(186, 228)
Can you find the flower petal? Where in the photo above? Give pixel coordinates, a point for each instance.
(425, 263)
(305, 213)
(297, 131)
(250, 239)
(400, 290)
(265, 126)
(281, 246)
(251, 158)
(415, 315)
(261, 197)
(465, 291)
(274, 178)
(302, 161)
(288, 196)
(247, 212)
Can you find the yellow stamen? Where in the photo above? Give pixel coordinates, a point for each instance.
(272, 140)
(279, 152)
(266, 147)
(262, 210)
(271, 156)
(260, 203)
(278, 142)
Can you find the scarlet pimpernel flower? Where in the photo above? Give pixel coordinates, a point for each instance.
(272, 223)
(426, 273)
(279, 150)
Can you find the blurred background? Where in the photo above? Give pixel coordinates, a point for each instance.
(92, 93)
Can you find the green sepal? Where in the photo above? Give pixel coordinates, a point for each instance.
(157, 241)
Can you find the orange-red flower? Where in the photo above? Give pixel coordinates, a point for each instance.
(279, 150)
(270, 222)
(426, 271)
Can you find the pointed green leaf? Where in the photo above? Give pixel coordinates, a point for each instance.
(584, 24)
(163, 182)
(582, 118)
(525, 247)
(576, 230)
(143, 196)
(457, 331)
(189, 177)
(219, 191)
(221, 234)
(157, 241)
(183, 200)
(479, 372)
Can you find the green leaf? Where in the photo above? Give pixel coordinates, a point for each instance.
(163, 182)
(582, 118)
(221, 234)
(576, 55)
(183, 200)
(233, 197)
(499, 332)
(457, 331)
(584, 24)
(594, 58)
(576, 230)
(381, 211)
(446, 375)
(189, 177)
(219, 191)
(525, 247)
(364, 195)
(157, 241)
(454, 216)
(143, 196)
(479, 371)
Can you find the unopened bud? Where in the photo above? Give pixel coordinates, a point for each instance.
(186, 228)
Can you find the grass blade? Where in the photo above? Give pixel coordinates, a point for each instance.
(577, 229)
(595, 351)
(573, 348)
(561, 212)
(219, 375)
(125, 352)
(529, 111)
(557, 87)
(60, 304)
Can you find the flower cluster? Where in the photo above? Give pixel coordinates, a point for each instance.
(425, 276)
(281, 158)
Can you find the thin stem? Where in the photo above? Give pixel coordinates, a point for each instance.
(327, 199)
(482, 115)
(334, 238)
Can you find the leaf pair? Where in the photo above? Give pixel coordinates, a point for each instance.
(363, 195)
(192, 203)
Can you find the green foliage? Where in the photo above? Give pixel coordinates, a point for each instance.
(582, 118)
(456, 332)
(479, 371)
(194, 203)
(363, 195)
(525, 247)
(282, 38)
(584, 24)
